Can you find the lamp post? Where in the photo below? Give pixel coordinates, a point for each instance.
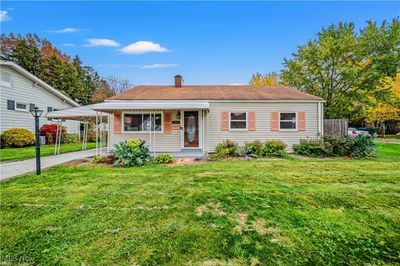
(36, 113)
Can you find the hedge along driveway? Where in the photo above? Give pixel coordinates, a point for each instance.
(17, 154)
(277, 212)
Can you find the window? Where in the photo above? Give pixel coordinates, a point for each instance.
(49, 109)
(21, 106)
(287, 121)
(238, 121)
(142, 122)
(5, 79)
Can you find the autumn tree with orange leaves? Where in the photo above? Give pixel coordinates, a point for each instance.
(59, 70)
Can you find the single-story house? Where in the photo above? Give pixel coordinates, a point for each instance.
(176, 119)
(21, 91)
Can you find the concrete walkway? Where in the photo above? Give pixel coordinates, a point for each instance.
(12, 169)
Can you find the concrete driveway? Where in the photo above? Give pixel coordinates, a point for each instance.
(13, 169)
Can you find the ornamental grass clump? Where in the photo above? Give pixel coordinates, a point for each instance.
(129, 153)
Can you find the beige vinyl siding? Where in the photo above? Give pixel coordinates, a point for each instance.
(23, 90)
(212, 126)
(263, 125)
(163, 142)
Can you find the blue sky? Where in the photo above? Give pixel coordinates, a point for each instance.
(206, 42)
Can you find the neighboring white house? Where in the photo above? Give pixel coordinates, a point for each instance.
(20, 91)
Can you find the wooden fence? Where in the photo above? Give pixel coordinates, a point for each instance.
(335, 127)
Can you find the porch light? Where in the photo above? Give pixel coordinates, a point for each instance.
(178, 115)
(36, 112)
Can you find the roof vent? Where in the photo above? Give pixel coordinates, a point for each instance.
(178, 81)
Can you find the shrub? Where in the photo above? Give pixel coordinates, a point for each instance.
(71, 138)
(226, 149)
(134, 143)
(341, 146)
(127, 156)
(109, 159)
(274, 148)
(17, 137)
(362, 147)
(254, 148)
(313, 148)
(50, 132)
(164, 159)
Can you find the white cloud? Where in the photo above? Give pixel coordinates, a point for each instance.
(117, 65)
(4, 15)
(68, 44)
(155, 66)
(142, 47)
(235, 84)
(65, 30)
(101, 42)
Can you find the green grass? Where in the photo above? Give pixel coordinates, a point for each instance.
(273, 212)
(16, 154)
(388, 150)
(390, 136)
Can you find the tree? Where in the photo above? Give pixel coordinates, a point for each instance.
(269, 79)
(39, 57)
(387, 111)
(109, 87)
(345, 68)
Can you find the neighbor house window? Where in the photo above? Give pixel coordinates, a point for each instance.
(238, 120)
(288, 121)
(143, 122)
(21, 106)
(5, 79)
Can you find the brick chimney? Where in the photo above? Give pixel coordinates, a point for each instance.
(178, 81)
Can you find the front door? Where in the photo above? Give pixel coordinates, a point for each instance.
(190, 129)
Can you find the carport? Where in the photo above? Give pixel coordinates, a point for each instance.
(85, 115)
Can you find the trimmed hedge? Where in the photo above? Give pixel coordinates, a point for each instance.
(17, 137)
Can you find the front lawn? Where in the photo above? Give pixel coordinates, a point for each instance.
(314, 212)
(16, 154)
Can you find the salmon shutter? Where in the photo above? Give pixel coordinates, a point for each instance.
(274, 121)
(225, 121)
(252, 121)
(302, 121)
(167, 123)
(117, 123)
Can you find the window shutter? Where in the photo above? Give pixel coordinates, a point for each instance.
(252, 121)
(117, 123)
(224, 121)
(302, 121)
(167, 123)
(274, 121)
(32, 106)
(10, 105)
